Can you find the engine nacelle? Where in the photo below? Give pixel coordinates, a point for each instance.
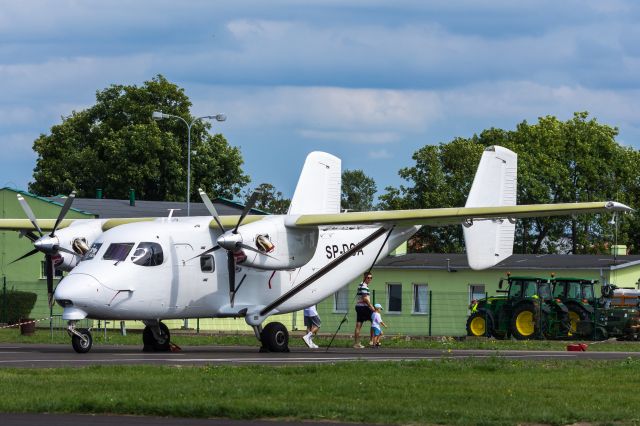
(279, 247)
(77, 237)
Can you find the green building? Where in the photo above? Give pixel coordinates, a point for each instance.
(429, 294)
(29, 273)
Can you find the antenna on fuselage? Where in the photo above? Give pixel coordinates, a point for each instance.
(171, 212)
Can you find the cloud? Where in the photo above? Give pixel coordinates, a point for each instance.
(380, 154)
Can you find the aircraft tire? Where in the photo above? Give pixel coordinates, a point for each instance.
(275, 337)
(153, 345)
(79, 345)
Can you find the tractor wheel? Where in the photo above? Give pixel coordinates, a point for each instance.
(524, 322)
(576, 315)
(480, 324)
(601, 334)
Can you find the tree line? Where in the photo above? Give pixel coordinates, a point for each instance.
(115, 145)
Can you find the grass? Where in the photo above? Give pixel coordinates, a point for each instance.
(12, 335)
(461, 392)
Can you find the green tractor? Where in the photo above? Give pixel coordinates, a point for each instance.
(593, 317)
(527, 310)
(579, 297)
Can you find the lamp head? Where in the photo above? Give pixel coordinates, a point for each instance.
(220, 117)
(157, 115)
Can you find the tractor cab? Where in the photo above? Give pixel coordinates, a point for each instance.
(578, 295)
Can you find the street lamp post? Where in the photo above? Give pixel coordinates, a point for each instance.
(159, 115)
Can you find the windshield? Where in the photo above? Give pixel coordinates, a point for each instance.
(587, 292)
(95, 247)
(148, 254)
(117, 251)
(544, 291)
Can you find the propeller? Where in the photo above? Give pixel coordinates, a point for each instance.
(47, 244)
(231, 241)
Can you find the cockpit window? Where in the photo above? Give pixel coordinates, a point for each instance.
(148, 254)
(95, 247)
(117, 251)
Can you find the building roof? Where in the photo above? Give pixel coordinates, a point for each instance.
(107, 208)
(443, 261)
(58, 201)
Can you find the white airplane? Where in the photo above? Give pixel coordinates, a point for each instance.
(253, 267)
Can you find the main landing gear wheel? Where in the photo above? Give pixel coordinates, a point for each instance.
(275, 337)
(152, 343)
(82, 344)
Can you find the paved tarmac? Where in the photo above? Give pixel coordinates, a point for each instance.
(49, 355)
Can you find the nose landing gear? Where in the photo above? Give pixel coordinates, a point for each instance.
(81, 338)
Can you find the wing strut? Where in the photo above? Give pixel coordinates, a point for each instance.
(322, 271)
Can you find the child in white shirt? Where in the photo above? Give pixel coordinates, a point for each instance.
(376, 322)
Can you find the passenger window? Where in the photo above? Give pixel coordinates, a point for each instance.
(95, 247)
(148, 254)
(117, 251)
(207, 264)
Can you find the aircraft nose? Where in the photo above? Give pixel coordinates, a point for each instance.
(78, 290)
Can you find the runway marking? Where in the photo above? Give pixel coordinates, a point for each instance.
(276, 360)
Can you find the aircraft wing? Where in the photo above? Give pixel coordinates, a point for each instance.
(47, 224)
(456, 215)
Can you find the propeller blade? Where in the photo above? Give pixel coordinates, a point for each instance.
(28, 234)
(209, 205)
(231, 266)
(237, 288)
(34, 251)
(29, 212)
(250, 203)
(49, 267)
(63, 212)
(212, 249)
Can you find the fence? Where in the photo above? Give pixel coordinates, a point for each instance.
(437, 313)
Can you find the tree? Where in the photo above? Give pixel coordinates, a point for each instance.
(269, 199)
(358, 191)
(115, 145)
(573, 161)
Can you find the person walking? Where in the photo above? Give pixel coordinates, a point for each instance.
(312, 322)
(364, 308)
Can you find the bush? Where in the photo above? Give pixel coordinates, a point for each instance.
(19, 305)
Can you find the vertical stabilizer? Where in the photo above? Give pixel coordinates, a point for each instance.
(489, 242)
(319, 186)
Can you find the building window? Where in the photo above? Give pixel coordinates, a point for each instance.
(420, 298)
(476, 291)
(394, 296)
(341, 300)
(43, 271)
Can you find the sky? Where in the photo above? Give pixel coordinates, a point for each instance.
(368, 81)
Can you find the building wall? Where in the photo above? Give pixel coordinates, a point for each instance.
(448, 297)
(25, 275)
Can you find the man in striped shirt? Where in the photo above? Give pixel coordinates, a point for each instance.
(364, 308)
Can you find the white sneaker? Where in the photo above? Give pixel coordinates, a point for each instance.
(313, 345)
(307, 340)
